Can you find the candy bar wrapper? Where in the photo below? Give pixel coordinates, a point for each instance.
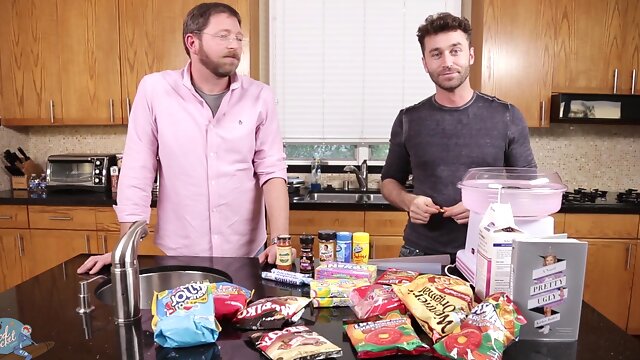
(439, 303)
(330, 302)
(293, 343)
(486, 332)
(375, 300)
(397, 277)
(271, 313)
(229, 299)
(184, 316)
(336, 270)
(335, 288)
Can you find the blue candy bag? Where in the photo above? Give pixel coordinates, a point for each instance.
(184, 316)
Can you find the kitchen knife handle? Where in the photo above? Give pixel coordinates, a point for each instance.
(615, 81)
(111, 110)
(128, 107)
(60, 217)
(542, 113)
(51, 110)
(86, 242)
(633, 82)
(20, 244)
(24, 154)
(6, 217)
(629, 248)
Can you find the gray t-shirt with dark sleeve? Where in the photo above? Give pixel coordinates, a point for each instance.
(213, 100)
(440, 144)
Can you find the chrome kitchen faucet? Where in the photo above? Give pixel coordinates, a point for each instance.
(125, 274)
(362, 175)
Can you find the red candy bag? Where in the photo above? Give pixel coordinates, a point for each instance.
(397, 277)
(486, 332)
(229, 299)
(375, 300)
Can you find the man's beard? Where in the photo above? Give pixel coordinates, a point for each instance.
(220, 69)
(451, 86)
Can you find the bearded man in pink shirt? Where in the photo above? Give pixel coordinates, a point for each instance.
(213, 137)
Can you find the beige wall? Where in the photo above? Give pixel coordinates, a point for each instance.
(584, 155)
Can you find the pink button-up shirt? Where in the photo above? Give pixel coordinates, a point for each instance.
(212, 169)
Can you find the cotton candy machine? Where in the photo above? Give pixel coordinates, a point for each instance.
(533, 194)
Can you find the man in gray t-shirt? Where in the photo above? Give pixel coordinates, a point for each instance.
(440, 138)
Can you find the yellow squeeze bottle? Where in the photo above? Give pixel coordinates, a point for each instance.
(360, 251)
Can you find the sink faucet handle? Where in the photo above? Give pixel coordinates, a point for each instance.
(85, 306)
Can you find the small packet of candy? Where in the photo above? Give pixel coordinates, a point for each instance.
(229, 299)
(184, 316)
(293, 343)
(392, 335)
(396, 277)
(340, 288)
(486, 332)
(375, 300)
(271, 313)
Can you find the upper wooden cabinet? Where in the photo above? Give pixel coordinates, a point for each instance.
(631, 50)
(79, 62)
(514, 54)
(590, 38)
(30, 87)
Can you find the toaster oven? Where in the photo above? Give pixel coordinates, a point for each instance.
(80, 172)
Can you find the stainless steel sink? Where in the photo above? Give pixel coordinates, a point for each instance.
(344, 198)
(163, 278)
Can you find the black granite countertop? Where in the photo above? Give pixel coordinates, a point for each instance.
(48, 301)
(75, 198)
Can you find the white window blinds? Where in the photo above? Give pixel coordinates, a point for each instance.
(342, 69)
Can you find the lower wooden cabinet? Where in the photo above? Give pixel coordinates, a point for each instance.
(633, 324)
(47, 248)
(11, 251)
(108, 241)
(385, 246)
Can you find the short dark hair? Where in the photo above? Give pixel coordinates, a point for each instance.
(442, 22)
(198, 18)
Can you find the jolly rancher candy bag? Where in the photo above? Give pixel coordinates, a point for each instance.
(271, 313)
(184, 316)
(389, 336)
(439, 303)
(486, 332)
(296, 342)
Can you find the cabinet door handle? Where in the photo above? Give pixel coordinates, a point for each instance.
(633, 81)
(60, 217)
(629, 248)
(51, 110)
(6, 217)
(20, 244)
(615, 81)
(86, 242)
(542, 113)
(111, 110)
(128, 107)
(104, 244)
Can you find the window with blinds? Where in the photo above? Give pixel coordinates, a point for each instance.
(342, 69)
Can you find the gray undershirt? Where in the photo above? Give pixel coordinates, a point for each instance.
(213, 101)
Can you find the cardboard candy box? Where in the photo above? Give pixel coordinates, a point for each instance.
(336, 270)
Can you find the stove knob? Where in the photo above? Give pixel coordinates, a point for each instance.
(96, 180)
(98, 162)
(97, 171)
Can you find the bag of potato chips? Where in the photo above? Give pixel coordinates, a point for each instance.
(439, 303)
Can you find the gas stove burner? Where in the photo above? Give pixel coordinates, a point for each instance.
(582, 195)
(629, 196)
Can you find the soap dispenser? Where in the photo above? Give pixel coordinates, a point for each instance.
(316, 174)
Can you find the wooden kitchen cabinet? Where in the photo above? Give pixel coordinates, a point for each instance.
(89, 61)
(609, 277)
(385, 222)
(633, 323)
(62, 217)
(383, 247)
(108, 241)
(514, 54)
(30, 72)
(309, 222)
(106, 220)
(14, 217)
(47, 248)
(612, 226)
(11, 242)
(558, 223)
(631, 48)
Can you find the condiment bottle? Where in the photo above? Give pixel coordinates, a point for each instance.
(327, 242)
(343, 246)
(306, 254)
(283, 253)
(360, 247)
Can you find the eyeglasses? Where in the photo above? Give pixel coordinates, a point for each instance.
(224, 38)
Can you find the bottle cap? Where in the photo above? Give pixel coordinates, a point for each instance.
(326, 235)
(306, 239)
(343, 236)
(361, 236)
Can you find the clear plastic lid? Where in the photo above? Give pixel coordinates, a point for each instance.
(512, 179)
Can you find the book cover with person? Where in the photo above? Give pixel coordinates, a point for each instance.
(547, 281)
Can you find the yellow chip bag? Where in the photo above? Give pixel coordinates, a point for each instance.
(439, 303)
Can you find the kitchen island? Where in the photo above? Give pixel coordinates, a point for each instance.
(48, 304)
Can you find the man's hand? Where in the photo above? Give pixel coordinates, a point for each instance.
(457, 212)
(269, 255)
(95, 263)
(421, 209)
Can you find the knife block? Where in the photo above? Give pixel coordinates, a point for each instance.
(29, 168)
